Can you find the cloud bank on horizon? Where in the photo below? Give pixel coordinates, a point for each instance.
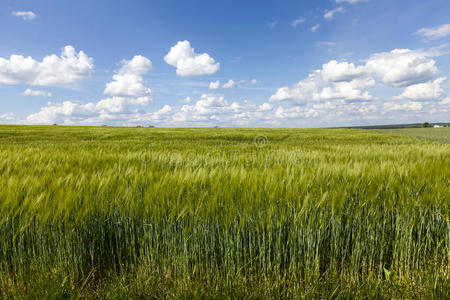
(179, 85)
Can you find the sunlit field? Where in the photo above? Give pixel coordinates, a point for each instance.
(223, 213)
(440, 135)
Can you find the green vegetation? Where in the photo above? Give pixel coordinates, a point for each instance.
(104, 212)
(441, 135)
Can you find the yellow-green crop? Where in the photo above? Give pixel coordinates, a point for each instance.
(283, 209)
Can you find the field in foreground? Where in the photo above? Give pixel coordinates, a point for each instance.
(222, 213)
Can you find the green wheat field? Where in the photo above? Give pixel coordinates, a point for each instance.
(224, 213)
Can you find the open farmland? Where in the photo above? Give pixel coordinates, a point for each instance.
(222, 212)
(441, 135)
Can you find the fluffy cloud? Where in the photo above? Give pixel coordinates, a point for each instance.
(214, 85)
(75, 112)
(335, 95)
(427, 91)
(243, 83)
(209, 109)
(409, 106)
(330, 13)
(348, 90)
(315, 28)
(26, 15)
(214, 109)
(53, 70)
(435, 33)
(67, 112)
(330, 112)
(232, 84)
(402, 67)
(229, 84)
(334, 71)
(347, 81)
(208, 102)
(188, 63)
(334, 81)
(126, 90)
(36, 93)
(129, 81)
(120, 104)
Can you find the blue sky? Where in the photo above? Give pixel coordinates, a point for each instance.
(226, 63)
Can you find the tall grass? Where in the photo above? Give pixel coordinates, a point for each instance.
(208, 207)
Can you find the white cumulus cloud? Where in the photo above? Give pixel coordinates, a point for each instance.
(127, 90)
(340, 89)
(214, 109)
(232, 84)
(402, 67)
(427, 91)
(334, 81)
(229, 84)
(68, 112)
(408, 106)
(188, 63)
(53, 70)
(334, 71)
(209, 109)
(214, 85)
(129, 81)
(75, 112)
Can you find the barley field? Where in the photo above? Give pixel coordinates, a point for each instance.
(214, 213)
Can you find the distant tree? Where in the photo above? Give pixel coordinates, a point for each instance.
(426, 124)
